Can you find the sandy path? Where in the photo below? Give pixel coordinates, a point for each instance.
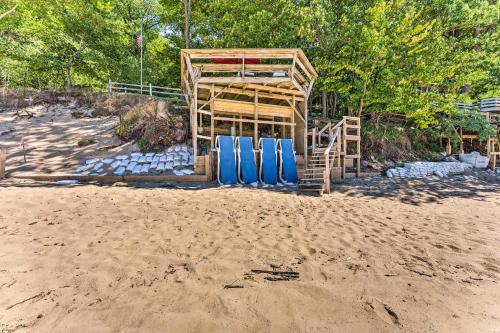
(51, 139)
(109, 259)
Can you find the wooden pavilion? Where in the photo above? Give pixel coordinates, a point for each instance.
(250, 92)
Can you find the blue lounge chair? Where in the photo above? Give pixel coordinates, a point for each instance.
(288, 165)
(247, 170)
(226, 158)
(268, 171)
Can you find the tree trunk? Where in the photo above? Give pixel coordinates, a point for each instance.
(69, 81)
(362, 99)
(187, 22)
(69, 64)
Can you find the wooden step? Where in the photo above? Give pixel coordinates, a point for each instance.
(352, 156)
(352, 138)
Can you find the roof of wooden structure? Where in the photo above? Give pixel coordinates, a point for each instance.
(277, 74)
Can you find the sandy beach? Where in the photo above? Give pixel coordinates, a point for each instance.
(391, 257)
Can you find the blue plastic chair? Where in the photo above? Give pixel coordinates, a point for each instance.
(247, 170)
(268, 171)
(226, 158)
(288, 165)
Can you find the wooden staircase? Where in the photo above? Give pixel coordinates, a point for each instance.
(343, 143)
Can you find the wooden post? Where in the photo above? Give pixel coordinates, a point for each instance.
(194, 119)
(241, 125)
(3, 154)
(324, 104)
(110, 87)
(327, 173)
(256, 117)
(150, 89)
(292, 127)
(461, 141)
(212, 121)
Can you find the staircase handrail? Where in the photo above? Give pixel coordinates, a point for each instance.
(328, 149)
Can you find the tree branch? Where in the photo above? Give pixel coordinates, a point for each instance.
(10, 11)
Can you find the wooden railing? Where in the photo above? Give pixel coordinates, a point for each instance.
(328, 168)
(151, 90)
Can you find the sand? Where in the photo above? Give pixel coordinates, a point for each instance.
(138, 259)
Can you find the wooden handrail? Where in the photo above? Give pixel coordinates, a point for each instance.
(327, 172)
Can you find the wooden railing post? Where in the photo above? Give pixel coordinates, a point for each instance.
(3, 156)
(327, 172)
(150, 89)
(313, 139)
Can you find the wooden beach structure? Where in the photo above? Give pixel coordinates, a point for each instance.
(490, 108)
(251, 92)
(261, 93)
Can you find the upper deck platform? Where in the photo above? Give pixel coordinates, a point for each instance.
(275, 71)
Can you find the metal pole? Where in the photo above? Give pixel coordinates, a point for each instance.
(110, 86)
(150, 89)
(141, 53)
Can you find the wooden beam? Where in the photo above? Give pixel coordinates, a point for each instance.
(265, 68)
(227, 105)
(261, 80)
(275, 89)
(253, 121)
(256, 124)
(251, 93)
(292, 105)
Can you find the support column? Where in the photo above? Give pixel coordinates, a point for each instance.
(212, 121)
(256, 117)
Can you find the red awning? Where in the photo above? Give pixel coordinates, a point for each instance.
(234, 61)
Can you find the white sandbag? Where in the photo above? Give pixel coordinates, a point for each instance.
(145, 168)
(137, 169)
(187, 171)
(120, 171)
(92, 161)
(116, 164)
(108, 161)
(160, 166)
(131, 166)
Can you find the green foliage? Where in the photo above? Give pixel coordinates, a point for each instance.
(397, 58)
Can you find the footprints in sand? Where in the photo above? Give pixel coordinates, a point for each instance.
(382, 310)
